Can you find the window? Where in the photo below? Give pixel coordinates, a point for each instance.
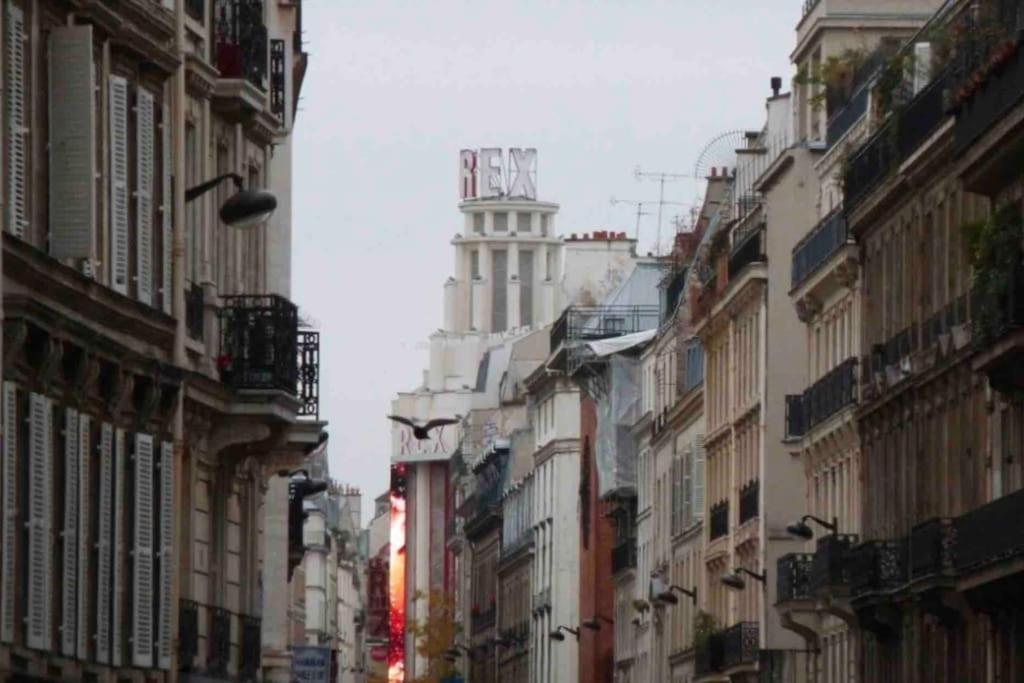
(499, 309)
(544, 223)
(478, 223)
(500, 221)
(523, 222)
(525, 287)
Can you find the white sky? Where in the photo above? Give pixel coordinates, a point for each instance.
(395, 89)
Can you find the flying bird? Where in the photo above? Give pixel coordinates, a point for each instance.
(421, 432)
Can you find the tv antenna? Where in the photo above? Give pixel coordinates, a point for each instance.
(639, 212)
(661, 178)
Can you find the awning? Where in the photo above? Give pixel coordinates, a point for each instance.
(606, 347)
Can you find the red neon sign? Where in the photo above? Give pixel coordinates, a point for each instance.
(396, 616)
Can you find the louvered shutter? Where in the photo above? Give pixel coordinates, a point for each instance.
(104, 544)
(687, 503)
(40, 505)
(166, 212)
(142, 556)
(116, 632)
(72, 143)
(119, 184)
(922, 65)
(165, 641)
(14, 114)
(69, 537)
(9, 478)
(84, 507)
(144, 151)
(697, 458)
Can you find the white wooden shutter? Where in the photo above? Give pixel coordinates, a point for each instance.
(69, 537)
(688, 513)
(119, 184)
(84, 506)
(104, 546)
(14, 114)
(9, 479)
(165, 640)
(40, 505)
(698, 477)
(166, 211)
(116, 632)
(72, 143)
(144, 151)
(142, 556)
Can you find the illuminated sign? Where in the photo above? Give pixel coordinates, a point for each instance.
(483, 174)
(396, 601)
(407, 448)
(311, 664)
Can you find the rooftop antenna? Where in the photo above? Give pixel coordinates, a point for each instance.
(639, 212)
(661, 178)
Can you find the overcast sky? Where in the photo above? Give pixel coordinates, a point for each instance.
(395, 89)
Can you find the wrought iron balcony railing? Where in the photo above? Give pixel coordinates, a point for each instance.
(930, 549)
(196, 9)
(877, 567)
(749, 495)
(718, 525)
(579, 323)
(624, 556)
(188, 634)
(249, 662)
(218, 655)
(309, 373)
(845, 118)
(815, 249)
(831, 393)
(748, 250)
(868, 165)
(796, 418)
(793, 580)
(481, 620)
(740, 644)
(195, 301)
(830, 568)
(241, 40)
(990, 533)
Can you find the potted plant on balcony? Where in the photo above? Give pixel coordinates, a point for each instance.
(994, 246)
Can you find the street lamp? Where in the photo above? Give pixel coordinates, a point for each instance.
(802, 530)
(456, 651)
(669, 597)
(734, 579)
(244, 209)
(559, 636)
(594, 623)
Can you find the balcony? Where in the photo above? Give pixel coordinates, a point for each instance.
(868, 165)
(831, 393)
(830, 568)
(814, 250)
(796, 419)
(624, 556)
(481, 620)
(218, 655)
(196, 9)
(195, 302)
(188, 634)
(922, 116)
(749, 495)
(241, 41)
(708, 655)
(793, 581)
(587, 323)
(930, 549)
(746, 251)
(998, 311)
(249, 663)
(991, 533)
(845, 118)
(740, 645)
(877, 567)
(719, 520)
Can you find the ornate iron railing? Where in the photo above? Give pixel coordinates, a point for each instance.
(309, 373)
(624, 556)
(831, 393)
(249, 662)
(877, 566)
(749, 495)
(748, 250)
(600, 322)
(219, 641)
(195, 304)
(990, 533)
(241, 40)
(277, 78)
(930, 549)
(740, 644)
(815, 249)
(845, 118)
(719, 523)
(923, 115)
(868, 164)
(188, 634)
(793, 581)
(830, 567)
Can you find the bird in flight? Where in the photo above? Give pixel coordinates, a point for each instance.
(421, 432)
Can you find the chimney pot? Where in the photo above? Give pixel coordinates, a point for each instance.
(776, 85)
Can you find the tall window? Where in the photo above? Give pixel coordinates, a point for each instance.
(499, 309)
(525, 287)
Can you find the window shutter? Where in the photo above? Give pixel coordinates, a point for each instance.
(72, 143)
(116, 632)
(84, 506)
(104, 549)
(14, 99)
(69, 537)
(142, 575)
(922, 65)
(40, 503)
(119, 184)
(166, 210)
(144, 151)
(697, 458)
(9, 477)
(687, 503)
(165, 641)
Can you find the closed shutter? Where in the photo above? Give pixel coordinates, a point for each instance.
(166, 212)
(72, 143)
(687, 504)
(9, 484)
(14, 114)
(697, 458)
(104, 544)
(142, 574)
(69, 537)
(40, 505)
(144, 151)
(922, 65)
(119, 184)
(116, 632)
(165, 641)
(84, 507)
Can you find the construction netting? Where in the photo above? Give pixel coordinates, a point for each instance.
(617, 411)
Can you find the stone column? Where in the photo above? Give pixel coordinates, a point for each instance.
(277, 658)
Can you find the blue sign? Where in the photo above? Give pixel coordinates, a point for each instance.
(311, 664)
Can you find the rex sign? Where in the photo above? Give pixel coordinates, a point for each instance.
(485, 173)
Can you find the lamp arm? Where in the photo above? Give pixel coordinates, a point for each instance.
(832, 526)
(202, 188)
(762, 577)
(690, 593)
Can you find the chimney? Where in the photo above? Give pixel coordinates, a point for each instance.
(776, 85)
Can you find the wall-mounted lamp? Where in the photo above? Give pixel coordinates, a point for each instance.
(669, 597)
(244, 209)
(734, 579)
(594, 623)
(559, 636)
(802, 530)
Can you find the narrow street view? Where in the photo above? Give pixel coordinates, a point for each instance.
(534, 342)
